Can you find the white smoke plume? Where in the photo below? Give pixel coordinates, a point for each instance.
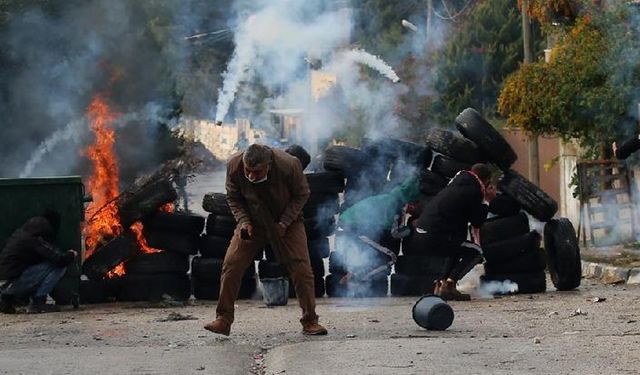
(374, 62)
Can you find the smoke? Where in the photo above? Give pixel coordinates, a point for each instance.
(374, 62)
(471, 283)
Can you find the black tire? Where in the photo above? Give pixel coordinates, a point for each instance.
(317, 229)
(319, 248)
(388, 150)
(504, 205)
(216, 203)
(344, 159)
(177, 223)
(147, 287)
(431, 183)
(357, 261)
(453, 145)
(529, 262)
(318, 286)
(447, 167)
(390, 243)
(504, 251)
(300, 153)
(533, 200)
(271, 270)
(325, 182)
(563, 254)
(184, 243)
(221, 226)
(535, 282)
(97, 291)
(205, 289)
(490, 142)
(503, 228)
(412, 285)
(213, 246)
(211, 269)
(377, 287)
(248, 288)
(108, 256)
(422, 265)
(162, 262)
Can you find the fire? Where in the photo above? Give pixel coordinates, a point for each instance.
(142, 242)
(169, 208)
(102, 214)
(117, 271)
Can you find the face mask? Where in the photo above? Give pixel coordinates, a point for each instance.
(256, 181)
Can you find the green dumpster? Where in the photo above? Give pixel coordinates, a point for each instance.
(22, 198)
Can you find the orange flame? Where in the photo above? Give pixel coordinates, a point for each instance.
(169, 208)
(142, 242)
(117, 271)
(102, 216)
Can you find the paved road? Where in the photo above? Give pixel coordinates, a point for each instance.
(525, 334)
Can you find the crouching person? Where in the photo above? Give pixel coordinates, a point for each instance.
(441, 229)
(32, 265)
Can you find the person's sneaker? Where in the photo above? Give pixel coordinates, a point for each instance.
(6, 307)
(219, 326)
(313, 329)
(449, 292)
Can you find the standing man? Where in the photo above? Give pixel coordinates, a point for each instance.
(32, 265)
(266, 191)
(442, 226)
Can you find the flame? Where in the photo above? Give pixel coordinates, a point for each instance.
(169, 208)
(102, 214)
(117, 271)
(142, 242)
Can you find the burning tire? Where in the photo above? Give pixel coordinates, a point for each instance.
(377, 287)
(503, 228)
(108, 256)
(504, 205)
(506, 250)
(222, 226)
(491, 143)
(154, 287)
(213, 246)
(145, 201)
(162, 262)
(563, 254)
(533, 200)
(453, 145)
(412, 285)
(422, 265)
(534, 282)
(216, 203)
(529, 262)
(178, 223)
(431, 183)
(173, 242)
(447, 167)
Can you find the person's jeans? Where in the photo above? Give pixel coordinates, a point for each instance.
(36, 281)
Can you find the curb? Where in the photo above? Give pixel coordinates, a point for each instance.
(610, 274)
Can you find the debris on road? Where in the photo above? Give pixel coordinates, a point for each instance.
(174, 317)
(598, 299)
(537, 340)
(577, 312)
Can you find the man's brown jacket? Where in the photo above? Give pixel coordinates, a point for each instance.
(278, 199)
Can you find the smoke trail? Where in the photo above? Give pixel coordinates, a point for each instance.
(490, 288)
(237, 70)
(374, 62)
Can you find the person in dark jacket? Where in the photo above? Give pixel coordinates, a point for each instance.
(32, 265)
(443, 225)
(626, 148)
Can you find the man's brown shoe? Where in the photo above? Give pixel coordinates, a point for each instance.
(219, 326)
(449, 292)
(313, 329)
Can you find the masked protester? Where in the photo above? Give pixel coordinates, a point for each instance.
(442, 226)
(266, 191)
(32, 265)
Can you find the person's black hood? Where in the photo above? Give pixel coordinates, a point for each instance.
(39, 226)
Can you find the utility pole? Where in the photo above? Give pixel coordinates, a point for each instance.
(534, 158)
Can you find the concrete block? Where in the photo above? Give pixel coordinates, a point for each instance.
(614, 275)
(591, 270)
(634, 276)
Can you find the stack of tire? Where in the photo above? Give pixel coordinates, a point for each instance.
(162, 272)
(206, 268)
(416, 272)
